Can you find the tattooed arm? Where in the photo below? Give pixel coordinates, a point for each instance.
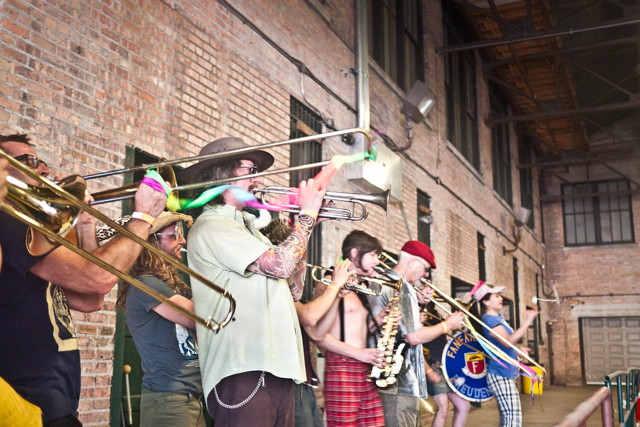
(281, 261)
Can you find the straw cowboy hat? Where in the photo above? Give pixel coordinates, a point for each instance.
(164, 219)
(261, 159)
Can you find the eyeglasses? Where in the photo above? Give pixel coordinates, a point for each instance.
(252, 169)
(31, 160)
(427, 268)
(178, 234)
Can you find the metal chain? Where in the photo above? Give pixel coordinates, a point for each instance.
(244, 402)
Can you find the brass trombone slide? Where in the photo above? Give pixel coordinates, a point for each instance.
(332, 212)
(15, 195)
(119, 193)
(461, 307)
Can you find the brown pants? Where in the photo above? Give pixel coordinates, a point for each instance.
(272, 405)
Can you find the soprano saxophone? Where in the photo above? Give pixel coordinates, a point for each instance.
(386, 375)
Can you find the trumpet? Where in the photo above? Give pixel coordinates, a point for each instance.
(29, 205)
(363, 284)
(332, 212)
(127, 192)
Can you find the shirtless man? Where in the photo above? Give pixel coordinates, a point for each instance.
(349, 398)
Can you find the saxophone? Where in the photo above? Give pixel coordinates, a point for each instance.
(386, 375)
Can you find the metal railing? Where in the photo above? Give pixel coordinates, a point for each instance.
(627, 402)
(627, 394)
(582, 412)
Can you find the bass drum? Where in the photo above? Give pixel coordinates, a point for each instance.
(465, 369)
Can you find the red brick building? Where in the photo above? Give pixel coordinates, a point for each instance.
(103, 84)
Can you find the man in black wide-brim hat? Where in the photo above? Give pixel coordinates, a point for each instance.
(249, 367)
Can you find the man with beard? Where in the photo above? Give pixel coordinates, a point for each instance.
(401, 401)
(249, 367)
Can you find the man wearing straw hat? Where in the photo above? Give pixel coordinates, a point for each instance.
(39, 353)
(250, 366)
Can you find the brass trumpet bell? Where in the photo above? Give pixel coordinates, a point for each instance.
(47, 208)
(332, 212)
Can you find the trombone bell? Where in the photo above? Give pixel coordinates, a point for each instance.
(47, 208)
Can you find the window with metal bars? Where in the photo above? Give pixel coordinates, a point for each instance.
(305, 122)
(395, 39)
(597, 213)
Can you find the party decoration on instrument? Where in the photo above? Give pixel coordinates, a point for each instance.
(465, 368)
(210, 194)
(322, 179)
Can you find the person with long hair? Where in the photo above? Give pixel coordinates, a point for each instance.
(501, 376)
(249, 368)
(350, 398)
(171, 383)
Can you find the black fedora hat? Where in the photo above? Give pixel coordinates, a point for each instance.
(261, 159)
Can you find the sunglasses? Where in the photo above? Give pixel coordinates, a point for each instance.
(31, 160)
(176, 234)
(252, 168)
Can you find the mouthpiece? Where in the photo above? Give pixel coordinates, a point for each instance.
(183, 250)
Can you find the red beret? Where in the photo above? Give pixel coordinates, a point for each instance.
(419, 249)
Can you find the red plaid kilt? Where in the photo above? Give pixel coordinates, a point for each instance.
(349, 399)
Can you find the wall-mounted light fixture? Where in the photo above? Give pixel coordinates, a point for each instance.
(520, 219)
(416, 106)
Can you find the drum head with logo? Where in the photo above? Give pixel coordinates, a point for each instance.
(464, 366)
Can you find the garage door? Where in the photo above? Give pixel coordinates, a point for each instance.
(609, 344)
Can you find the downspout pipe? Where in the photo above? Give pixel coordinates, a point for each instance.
(362, 64)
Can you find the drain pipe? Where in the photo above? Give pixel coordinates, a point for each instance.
(362, 64)
(552, 380)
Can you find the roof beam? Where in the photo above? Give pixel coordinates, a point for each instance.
(633, 41)
(536, 36)
(493, 120)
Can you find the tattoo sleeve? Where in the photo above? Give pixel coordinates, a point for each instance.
(281, 262)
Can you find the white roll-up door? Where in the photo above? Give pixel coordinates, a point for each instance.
(609, 344)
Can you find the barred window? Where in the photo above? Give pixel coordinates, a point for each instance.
(304, 122)
(597, 213)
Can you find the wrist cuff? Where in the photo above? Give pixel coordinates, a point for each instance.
(145, 217)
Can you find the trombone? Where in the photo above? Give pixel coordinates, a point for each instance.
(360, 280)
(117, 194)
(28, 207)
(332, 212)
(458, 305)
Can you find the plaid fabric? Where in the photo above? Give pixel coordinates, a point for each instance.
(350, 400)
(506, 393)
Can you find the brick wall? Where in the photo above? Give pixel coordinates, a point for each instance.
(89, 78)
(592, 281)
